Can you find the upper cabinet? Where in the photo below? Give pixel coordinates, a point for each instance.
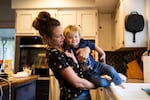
(24, 19)
(123, 38)
(105, 35)
(85, 19)
(67, 17)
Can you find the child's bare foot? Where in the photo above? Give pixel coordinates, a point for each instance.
(123, 77)
(122, 86)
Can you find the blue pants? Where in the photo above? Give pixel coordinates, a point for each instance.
(84, 96)
(103, 69)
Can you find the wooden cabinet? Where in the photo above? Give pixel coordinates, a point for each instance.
(24, 19)
(42, 89)
(18, 88)
(124, 38)
(85, 19)
(26, 91)
(105, 36)
(67, 17)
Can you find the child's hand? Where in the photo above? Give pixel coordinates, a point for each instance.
(103, 58)
(81, 59)
(71, 55)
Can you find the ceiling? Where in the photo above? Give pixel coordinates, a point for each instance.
(106, 5)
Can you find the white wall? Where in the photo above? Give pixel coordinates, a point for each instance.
(139, 6)
(123, 37)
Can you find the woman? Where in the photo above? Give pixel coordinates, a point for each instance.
(71, 82)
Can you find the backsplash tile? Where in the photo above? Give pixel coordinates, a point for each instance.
(119, 59)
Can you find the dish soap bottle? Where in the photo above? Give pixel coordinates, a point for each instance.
(8, 67)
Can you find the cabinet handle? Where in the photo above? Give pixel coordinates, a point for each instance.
(100, 27)
(79, 26)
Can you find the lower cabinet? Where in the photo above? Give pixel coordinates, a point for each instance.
(5, 94)
(26, 91)
(31, 90)
(42, 89)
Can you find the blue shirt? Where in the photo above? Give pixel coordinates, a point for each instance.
(85, 43)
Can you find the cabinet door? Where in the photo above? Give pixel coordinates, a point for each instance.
(25, 19)
(87, 20)
(24, 22)
(42, 89)
(67, 18)
(105, 36)
(25, 91)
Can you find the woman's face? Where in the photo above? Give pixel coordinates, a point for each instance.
(57, 39)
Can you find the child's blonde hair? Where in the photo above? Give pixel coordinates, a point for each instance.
(71, 28)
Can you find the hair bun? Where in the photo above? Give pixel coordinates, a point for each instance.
(43, 18)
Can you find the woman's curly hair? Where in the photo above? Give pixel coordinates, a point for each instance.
(45, 24)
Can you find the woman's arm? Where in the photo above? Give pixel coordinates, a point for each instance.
(70, 76)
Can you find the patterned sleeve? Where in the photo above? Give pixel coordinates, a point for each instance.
(57, 59)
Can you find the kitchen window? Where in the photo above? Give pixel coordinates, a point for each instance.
(7, 45)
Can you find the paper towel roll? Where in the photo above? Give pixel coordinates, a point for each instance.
(146, 69)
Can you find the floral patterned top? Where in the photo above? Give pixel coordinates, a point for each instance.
(57, 61)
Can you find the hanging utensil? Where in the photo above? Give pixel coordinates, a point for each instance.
(134, 22)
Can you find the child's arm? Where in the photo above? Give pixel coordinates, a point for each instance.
(102, 53)
(71, 55)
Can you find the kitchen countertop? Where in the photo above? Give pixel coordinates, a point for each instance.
(132, 91)
(16, 81)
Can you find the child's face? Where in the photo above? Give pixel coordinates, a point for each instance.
(72, 39)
